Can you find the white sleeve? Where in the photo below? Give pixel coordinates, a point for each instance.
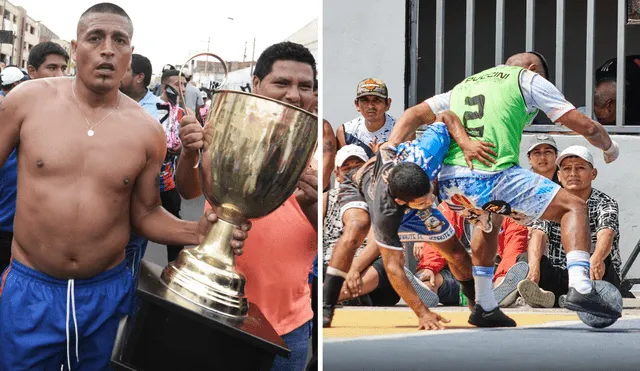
(541, 94)
(440, 102)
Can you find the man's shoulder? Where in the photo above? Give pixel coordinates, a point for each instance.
(601, 197)
(351, 124)
(43, 86)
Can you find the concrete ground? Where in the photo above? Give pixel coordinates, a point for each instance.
(545, 339)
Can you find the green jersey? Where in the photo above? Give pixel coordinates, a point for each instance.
(492, 109)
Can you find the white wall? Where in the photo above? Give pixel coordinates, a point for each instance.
(619, 180)
(361, 39)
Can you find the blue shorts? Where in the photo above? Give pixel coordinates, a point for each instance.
(515, 192)
(425, 225)
(135, 250)
(45, 323)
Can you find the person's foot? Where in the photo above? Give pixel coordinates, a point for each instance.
(327, 315)
(507, 291)
(535, 296)
(562, 301)
(492, 318)
(428, 297)
(591, 303)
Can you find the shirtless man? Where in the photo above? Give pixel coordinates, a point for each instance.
(88, 173)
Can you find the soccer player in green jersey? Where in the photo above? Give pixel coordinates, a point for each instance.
(494, 106)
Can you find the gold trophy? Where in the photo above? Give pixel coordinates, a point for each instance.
(255, 151)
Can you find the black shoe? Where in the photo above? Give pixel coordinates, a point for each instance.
(327, 315)
(591, 303)
(493, 318)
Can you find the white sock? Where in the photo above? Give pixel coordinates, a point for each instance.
(578, 266)
(483, 279)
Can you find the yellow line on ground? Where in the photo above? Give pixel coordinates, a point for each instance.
(356, 323)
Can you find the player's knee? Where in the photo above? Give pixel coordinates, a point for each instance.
(576, 205)
(357, 226)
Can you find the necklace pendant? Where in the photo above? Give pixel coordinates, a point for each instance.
(90, 132)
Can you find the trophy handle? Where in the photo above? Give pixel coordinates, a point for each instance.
(226, 75)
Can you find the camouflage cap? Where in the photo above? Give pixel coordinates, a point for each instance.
(372, 86)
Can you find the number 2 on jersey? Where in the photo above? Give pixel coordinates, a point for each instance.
(477, 100)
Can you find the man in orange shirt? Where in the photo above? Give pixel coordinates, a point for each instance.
(281, 247)
(512, 241)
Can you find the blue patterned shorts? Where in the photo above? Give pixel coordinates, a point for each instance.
(515, 192)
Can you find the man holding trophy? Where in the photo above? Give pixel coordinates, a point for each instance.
(88, 170)
(282, 245)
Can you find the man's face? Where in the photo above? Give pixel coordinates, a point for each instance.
(54, 66)
(126, 85)
(606, 114)
(103, 50)
(179, 85)
(290, 82)
(349, 164)
(543, 159)
(372, 107)
(576, 174)
(421, 203)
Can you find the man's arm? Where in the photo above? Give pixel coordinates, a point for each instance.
(592, 130)
(187, 176)
(11, 117)
(537, 242)
(341, 140)
(148, 218)
(367, 256)
(329, 144)
(410, 121)
(607, 226)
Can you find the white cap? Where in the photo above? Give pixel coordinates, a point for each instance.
(10, 75)
(350, 150)
(577, 151)
(203, 95)
(542, 139)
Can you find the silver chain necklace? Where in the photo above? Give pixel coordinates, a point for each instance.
(90, 132)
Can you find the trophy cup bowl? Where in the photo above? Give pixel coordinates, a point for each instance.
(255, 151)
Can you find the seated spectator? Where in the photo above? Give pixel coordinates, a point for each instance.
(542, 156)
(604, 97)
(548, 276)
(376, 283)
(512, 241)
(373, 126)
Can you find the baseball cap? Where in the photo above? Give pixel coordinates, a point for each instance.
(372, 86)
(578, 151)
(203, 95)
(542, 139)
(11, 75)
(350, 150)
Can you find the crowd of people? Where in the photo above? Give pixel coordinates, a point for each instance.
(79, 200)
(485, 232)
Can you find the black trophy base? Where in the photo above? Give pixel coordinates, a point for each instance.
(170, 333)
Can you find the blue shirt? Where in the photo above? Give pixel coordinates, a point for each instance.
(8, 192)
(150, 104)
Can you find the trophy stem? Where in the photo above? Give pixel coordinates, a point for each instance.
(206, 274)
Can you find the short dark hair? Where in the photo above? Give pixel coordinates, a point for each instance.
(108, 8)
(39, 53)
(407, 181)
(167, 74)
(142, 64)
(284, 51)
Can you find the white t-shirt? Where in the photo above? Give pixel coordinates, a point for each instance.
(537, 91)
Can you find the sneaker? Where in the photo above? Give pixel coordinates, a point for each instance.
(562, 301)
(510, 300)
(591, 303)
(428, 297)
(506, 292)
(492, 318)
(535, 296)
(327, 315)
